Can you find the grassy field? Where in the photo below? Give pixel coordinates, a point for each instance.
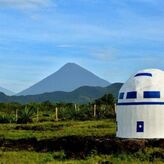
(21, 157)
(58, 129)
(50, 130)
(33, 157)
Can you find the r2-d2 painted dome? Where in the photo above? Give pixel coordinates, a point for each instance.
(140, 107)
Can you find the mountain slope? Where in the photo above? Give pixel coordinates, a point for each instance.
(68, 78)
(83, 94)
(6, 91)
(114, 89)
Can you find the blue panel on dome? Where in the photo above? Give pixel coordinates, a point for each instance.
(140, 126)
(131, 95)
(143, 74)
(121, 95)
(140, 103)
(151, 94)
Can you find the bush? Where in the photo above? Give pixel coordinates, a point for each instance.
(7, 119)
(150, 154)
(59, 155)
(84, 114)
(25, 115)
(67, 113)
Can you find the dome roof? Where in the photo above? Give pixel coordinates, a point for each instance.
(144, 84)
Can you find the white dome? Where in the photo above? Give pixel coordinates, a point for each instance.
(140, 107)
(144, 80)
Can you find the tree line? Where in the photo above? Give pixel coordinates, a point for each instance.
(102, 108)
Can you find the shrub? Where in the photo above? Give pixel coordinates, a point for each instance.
(67, 113)
(25, 115)
(6, 119)
(84, 114)
(59, 155)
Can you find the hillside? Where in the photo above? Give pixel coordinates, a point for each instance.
(6, 91)
(68, 78)
(83, 94)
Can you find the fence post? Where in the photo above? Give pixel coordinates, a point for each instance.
(94, 110)
(77, 107)
(56, 115)
(16, 115)
(37, 116)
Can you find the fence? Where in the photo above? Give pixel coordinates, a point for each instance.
(48, 112)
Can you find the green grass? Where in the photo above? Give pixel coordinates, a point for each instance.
(48, 130)
(58, 129)
(25, 157)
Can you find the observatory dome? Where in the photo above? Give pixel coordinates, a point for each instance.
(140, 107)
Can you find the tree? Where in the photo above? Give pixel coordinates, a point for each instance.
(108, 101)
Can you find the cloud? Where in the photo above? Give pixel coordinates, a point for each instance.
(65, 46)
(104, 54)
(25, 4)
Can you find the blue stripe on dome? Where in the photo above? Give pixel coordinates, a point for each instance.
(143, 74)
(140, 103)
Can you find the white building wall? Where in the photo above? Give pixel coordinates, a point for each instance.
(151, 115)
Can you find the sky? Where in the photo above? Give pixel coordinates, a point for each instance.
(111, 38)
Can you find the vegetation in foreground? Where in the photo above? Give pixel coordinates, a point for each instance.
(45, 133)
(20, 157)
(102, 108)
(89, 127)
(48, 130)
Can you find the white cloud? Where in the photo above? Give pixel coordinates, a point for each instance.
(25, 4)
(104, 55)
(65, 46)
